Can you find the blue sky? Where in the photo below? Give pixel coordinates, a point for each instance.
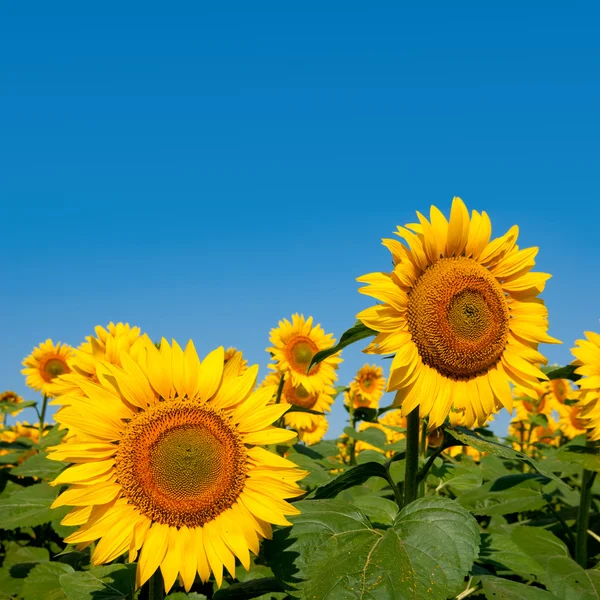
(203, 171)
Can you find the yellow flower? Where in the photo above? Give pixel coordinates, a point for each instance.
(315, 432)
(45, 364)
(570, 422)
(10, 397)
(106, 345)
(294, 345)
(528, 434)
(461, 315)
(172, 466)
(235, 354)
(455, 451)
(367, 387)
(16, 431)
(587, 353)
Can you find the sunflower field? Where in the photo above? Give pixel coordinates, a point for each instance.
(165, 474)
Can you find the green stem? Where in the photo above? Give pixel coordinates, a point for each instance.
(583, 517)
(156, 586)
(43, 416)
(411, 489)
(393, 484)
(423, 453)
(352, 447)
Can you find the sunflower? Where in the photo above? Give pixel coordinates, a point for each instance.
(315, 432)
(45, 364)
(16, 432)
(527, 406)
(527, 433)
(10, 397)
(235, 354)
(587, 354)
(570, 422)
(367, 387)
(461, 451)
(294, 345)
(461, 315)
(172, 466)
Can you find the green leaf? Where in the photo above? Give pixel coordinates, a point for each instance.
(20, 560)
(460, 477)
(379, 510)
(568, 372)
(496, 588)
(38, 465)
(13, 407)
(366, 456)
(588, 458)
(474, 440)
(249, 589)
(184, 596)
(332, 552)
(354, 476)
(52, 437)
(372, 436)
(354, 334)
(9, 586)
(43, 582)
(29, 506)
(113, 582)
(506, 495)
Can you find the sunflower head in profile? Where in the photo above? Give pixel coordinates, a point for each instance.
(45, 364)
(587, 355)
(9, 398)
(171, 469)
(366, 388)
(571, 424)
(294, 345)
(234, 354)
(315, 431)
(461, 315)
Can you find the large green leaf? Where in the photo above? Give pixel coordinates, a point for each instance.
(588, 458)
(52, 437)
(506, 495)
(554, 372)
(113, 582)
(19, 560)
(459, 477)
(354, 334)
(476, 441)
(333, 553)
(38, 465)
(496, 588)
(354, 476)
(29, 506)
(371, 435)
(379, 510)
(43, 582)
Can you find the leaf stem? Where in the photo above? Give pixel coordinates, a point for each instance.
(156, 586)
(43, 416)
(583, 516)
(411, 489)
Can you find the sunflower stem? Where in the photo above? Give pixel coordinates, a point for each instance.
(583, 516)
(411, 486)
(156, 586)
(352, 447)
(423, 453)
(43, 416)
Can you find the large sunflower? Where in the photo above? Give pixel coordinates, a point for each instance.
(587, 353)
(366, 388)
(171, 467)
(461, 315)
(294, 345)
(47, 362)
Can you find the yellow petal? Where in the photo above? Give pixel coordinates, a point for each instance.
(270, 435)
(458, 228)
(191, 371)
(84, 471)
(173, 559)
(153, 551)
(211, 373)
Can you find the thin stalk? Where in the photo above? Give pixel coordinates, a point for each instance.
(352, 443)
(583, 516)
(422, 474)
(393, 484)
(43, 416)
(423, 445)
(563, 524)
(156, 586)
(411, 488)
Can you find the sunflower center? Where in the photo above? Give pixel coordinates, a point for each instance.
(299, 396)
(367, 384)
(300, 354)
(560, 390)
(458, 318)
(181, 464)
(53, 367)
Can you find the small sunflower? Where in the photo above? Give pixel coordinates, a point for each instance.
(461, 315)
(20, 431)
(527, 406)
(367, 387)
(294, 345)
(570, 422)
(9, 397)
(171, 467)
(527, 434)
(587, 354)
(461, 451)
(47, 362)
(315, 432)
(235, 354)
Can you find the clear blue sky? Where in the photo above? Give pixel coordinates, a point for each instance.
(203, 171)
